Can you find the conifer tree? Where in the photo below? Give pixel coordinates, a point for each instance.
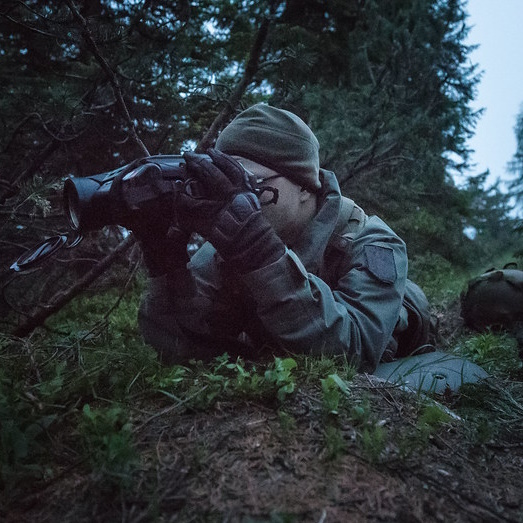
(516, 164)
(386, 86)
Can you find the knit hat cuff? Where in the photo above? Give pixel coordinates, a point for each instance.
(277, 139)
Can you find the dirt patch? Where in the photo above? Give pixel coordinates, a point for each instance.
(258, 462)
(448, 324)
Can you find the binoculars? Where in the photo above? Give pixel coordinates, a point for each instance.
(112, 198)
(147, 186)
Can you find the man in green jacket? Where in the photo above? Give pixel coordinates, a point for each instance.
(289, 263)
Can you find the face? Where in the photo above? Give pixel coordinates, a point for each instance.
(292, 211)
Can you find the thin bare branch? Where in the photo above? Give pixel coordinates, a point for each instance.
(122, 106)
(234, 99)
(61, 299)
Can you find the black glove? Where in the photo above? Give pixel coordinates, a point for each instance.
(211, 186)
(228, 213)
(164, 246)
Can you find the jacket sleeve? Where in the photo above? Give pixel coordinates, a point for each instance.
(187, 314)
(356, 317)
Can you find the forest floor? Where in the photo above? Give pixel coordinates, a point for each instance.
(384, 455)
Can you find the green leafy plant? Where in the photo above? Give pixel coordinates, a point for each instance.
(330, 395)
(22, 435)
(440, 280)
(493, 409)
(168, 377)
(204, 383)
(432, 417)
(316, 368)
(333, 390)
(287, 422)
(281, 377)
(335, 444)
(373, 441)
(360, 411)
(107, 443)
(496, 352)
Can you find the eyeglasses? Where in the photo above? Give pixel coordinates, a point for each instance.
(265, 193)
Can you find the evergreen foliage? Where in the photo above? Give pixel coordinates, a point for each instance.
(516, 164)
(386, 86)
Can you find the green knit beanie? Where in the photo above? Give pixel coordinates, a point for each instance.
(276, 139)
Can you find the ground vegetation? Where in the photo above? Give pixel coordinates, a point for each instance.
(93, 428)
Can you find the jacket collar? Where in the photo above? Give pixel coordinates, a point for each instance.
(311, 245)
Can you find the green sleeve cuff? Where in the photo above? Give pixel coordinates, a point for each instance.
(276, 280)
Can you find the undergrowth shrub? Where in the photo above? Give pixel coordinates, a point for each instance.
(493, 409)
(51, 385)
(202, 384)
(23, 425)
(107, 443)
(496, 352)
(441, 281)
(373, 442)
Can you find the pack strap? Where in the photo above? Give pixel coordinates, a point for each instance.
(350, 221)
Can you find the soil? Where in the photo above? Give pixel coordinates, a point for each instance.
(242, 463)
(254, 461)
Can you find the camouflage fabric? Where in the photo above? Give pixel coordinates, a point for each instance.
(328, 294)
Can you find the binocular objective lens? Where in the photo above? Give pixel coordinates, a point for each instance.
(72, 203)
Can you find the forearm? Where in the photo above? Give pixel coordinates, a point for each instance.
(160, 316)
(179, 312)
(299, 309)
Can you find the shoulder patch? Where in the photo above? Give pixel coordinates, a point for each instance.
(381, 263)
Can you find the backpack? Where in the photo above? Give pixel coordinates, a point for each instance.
(494, 299)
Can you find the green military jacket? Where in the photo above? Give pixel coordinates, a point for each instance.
(337, 290)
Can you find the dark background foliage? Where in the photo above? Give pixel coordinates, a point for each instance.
(386, 86)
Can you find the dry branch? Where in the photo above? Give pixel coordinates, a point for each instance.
(234, 99)
(61, 299)
(93, 47)
(8, 189)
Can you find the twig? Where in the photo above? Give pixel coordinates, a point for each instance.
(89, 40)
(460, 495)
(234, 99)
(61, 299)
(169, 409)
(103, 321)
(35, 165)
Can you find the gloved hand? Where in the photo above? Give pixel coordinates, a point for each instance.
(214, 182)
(164, 246)
(228, 213)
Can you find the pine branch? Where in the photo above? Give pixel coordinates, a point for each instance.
(93, 47)
(234, 99)
(61, 299)
(11, 188)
